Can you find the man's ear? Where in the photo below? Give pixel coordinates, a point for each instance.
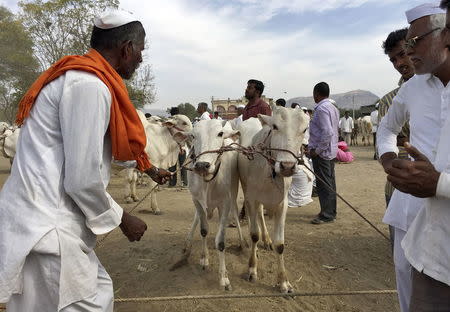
(231, 134)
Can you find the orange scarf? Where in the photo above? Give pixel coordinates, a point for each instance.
(127, 133)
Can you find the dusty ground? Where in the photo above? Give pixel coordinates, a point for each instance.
(359, 257)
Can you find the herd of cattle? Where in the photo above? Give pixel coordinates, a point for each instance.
(214, 178)
(362, 128)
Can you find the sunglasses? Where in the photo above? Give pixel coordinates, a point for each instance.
(411, 43)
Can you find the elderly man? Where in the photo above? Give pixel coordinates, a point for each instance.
(426, 243)
(237, 121)
(418, 99)
(322, 148)
(202, 110)
(75, 118)
(255, 105)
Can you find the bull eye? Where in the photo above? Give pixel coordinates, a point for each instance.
(220, 134)
(304, 131)
(184, 124)
(275, 127)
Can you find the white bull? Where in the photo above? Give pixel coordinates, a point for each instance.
(213, 184)
(266, 185)
(9, 136)
(162, 150)
(365, 129)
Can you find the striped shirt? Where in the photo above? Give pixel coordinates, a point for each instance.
(383, 107)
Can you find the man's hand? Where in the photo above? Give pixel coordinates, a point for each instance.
(386, 160)
(132, 227)
(158, 175)
(418, 178)
(311, 153)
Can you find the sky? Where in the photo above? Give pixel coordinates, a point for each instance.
(200, 49)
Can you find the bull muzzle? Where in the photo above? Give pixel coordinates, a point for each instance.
(202, 167)
(287, 168)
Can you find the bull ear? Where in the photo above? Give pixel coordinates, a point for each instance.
(265, 120)
(182, 137)
(168, 124)
(233, 134)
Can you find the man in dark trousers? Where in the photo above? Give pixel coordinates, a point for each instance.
(322, 149)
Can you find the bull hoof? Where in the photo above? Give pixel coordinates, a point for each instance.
(252, 275)
(286, 288)
(267, 246)
(204, 263)
(128, 200)
(225, 283)
(157, 212)
(136, 199)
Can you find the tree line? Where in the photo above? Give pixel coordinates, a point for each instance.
(42, 32)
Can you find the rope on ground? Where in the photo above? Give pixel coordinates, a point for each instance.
(251, 296)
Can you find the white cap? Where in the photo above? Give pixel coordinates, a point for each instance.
(113, 18)
(241, 106)
(422, 10)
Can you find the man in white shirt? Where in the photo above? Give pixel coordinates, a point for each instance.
(426, 243)
(202, 110)
(237, 121)
(418, 99)
(346, 126)
(54, 204)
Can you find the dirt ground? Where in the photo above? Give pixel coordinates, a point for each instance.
(342, 256)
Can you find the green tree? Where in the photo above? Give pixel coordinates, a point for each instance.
(188, 109)
(18, 67)
(61, 27)
(141, 87)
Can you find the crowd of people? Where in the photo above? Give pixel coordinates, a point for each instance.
(54, 204)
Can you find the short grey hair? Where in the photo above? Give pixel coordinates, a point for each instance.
(437, 21)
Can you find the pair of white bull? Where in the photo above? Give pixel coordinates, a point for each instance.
(215, 180)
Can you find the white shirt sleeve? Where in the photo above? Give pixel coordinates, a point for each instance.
(443, 186)
(84, 116)
(391, 125)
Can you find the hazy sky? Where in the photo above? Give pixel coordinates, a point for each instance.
(204, 48)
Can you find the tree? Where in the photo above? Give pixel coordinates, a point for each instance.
(188, 109)
(141, 87)
(61, 27)
(18, 67)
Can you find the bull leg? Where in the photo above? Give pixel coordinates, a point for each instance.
(279, 222)
(188, 243)
(128, 183)
(204, 261)
(153, 201)
(133, 186)
(267, 242)
(220, 246)
(255, 233)
(235, 211)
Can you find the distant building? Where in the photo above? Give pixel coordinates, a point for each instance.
(228, 108)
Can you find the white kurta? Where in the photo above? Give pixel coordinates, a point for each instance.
(426, 243)
(419, 100)
(205, 116)
(56, 193)
(346, 124)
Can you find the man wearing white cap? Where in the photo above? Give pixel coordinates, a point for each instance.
(75, 118)
(419, 99)
(426, 243)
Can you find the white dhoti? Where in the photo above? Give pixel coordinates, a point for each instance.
(402, 271)
(40, 292)
(301, 188)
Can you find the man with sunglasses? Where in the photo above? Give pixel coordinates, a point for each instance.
(419, 100)
(426, 243)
